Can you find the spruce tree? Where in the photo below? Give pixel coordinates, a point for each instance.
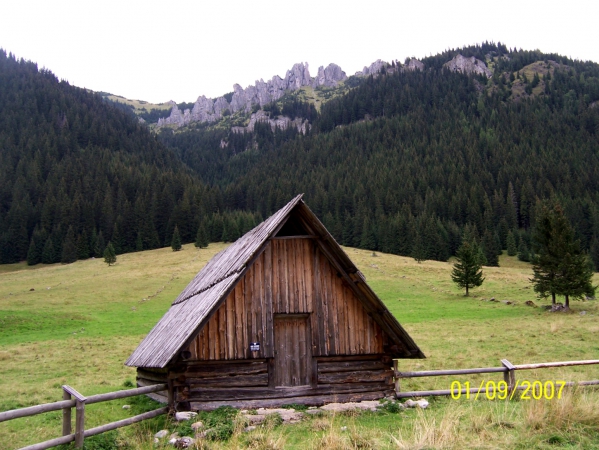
(69, 247)
(109, 254)
(523, 253)
(561, 268)
(201, 237)
(33, 255)
(83, 246)
(489, 245)
(176, 241)
(512, 250)
(48, 253)
(100, 245)
(418, 248)
(467, 271)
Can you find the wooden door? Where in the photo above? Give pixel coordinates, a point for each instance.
(293, 350)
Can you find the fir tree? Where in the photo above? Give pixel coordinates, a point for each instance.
(176, 241)
(467, 271)
(109, 254)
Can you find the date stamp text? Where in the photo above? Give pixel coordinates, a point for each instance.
(500, 390)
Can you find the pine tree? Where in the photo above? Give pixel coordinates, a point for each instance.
(512, 250)
(467, 271)
(176, 241)
(109, 254)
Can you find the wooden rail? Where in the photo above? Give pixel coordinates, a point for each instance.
(508, 371)
(79, 402)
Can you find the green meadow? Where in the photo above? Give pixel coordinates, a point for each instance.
(76, 324)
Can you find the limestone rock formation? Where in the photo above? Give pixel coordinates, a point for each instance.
(281, 122)
(261, 93)
(373, 69)
(329, 77)
(413, 64)
(468, 65)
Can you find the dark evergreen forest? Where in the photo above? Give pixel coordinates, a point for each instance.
(76, 173)
(407, 162)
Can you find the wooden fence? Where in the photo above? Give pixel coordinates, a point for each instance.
(79, 402)
(509, 377)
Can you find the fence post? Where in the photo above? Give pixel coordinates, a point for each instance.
(79, 415)
(396, 376)
(509, 375)
(66, 415)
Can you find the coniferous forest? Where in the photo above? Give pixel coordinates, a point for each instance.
(406, 162)
(77, 173)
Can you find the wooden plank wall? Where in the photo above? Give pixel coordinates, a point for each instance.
(244, 317)
(290, 277)
(339, 317)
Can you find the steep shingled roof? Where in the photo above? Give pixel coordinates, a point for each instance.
(193, 307)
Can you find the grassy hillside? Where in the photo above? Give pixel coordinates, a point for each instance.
(76, 324)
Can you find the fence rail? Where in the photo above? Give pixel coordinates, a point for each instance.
(508, 370)
(79, 403)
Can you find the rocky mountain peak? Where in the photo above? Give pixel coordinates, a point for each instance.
(261, 93)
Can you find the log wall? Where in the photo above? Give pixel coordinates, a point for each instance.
(245, 384)
(291, 276)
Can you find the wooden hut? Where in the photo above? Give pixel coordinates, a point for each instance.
(281, 316)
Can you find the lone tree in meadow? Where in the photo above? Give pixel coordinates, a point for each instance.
(559, 267)
(467, 271)
(109, 254)
(176, 242)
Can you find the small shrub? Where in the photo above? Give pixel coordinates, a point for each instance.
(184, 428)
(392, 407)
(219, 422)
(128, 384)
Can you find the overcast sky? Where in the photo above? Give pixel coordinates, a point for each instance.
(178, 50)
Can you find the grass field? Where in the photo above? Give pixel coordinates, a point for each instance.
(76, 324)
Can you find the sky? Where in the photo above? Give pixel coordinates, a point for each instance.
(179, 50)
